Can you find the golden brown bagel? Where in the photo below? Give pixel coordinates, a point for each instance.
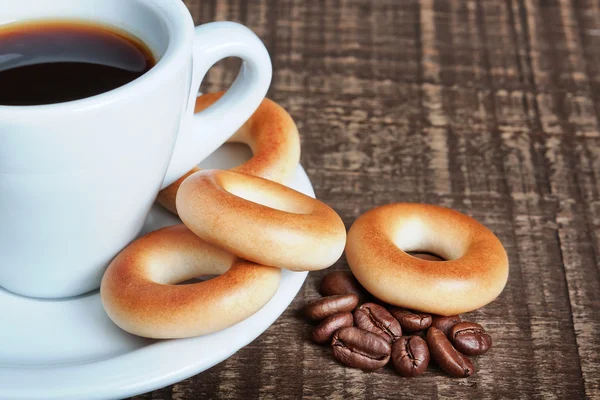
(272, 136)
(139, 293)
(260, 220)
(475, 274)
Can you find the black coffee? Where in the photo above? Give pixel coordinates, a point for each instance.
(47, 62)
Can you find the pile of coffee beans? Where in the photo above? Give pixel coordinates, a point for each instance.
(366, 333)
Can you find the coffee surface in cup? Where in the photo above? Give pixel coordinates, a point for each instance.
(46, 62)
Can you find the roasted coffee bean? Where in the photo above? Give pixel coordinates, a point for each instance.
(358, 348)
(324, 331)
(410, 355)
(444, 324)
(325, 306)
(446, 356)
(341, 282)
(411, 321)
(374, 318)
(470, 338)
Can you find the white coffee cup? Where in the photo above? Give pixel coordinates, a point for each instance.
(77, 179)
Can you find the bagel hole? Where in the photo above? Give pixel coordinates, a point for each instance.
(202, 278)
(415, 236)
(228, 156)
(267, 198)
(425, 255)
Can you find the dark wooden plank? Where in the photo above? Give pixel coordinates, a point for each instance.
(487, 107)
(566, 78)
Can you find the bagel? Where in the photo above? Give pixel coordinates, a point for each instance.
(139, 294)
(260, 220)
(272, 137)
(474, 275)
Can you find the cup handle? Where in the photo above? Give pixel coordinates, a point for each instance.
(210, 128)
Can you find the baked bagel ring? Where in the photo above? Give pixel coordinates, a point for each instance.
(139, 293)
(475, 274)
(272, 137)
(260, 220)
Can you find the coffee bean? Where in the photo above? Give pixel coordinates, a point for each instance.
(410, 355)
(446, 356)
(444, 324)
(374, 318)
(470, 338)
(411, 321)
(325, 306)
(341, 282)
(324, 331)
(358, 348)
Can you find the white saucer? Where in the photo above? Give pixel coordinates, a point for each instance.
(69, 349)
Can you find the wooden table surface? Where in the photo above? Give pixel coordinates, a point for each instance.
(489, 107)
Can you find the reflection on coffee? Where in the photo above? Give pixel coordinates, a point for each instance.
(45, 62)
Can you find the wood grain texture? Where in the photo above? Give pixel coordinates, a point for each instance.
(490, 107)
